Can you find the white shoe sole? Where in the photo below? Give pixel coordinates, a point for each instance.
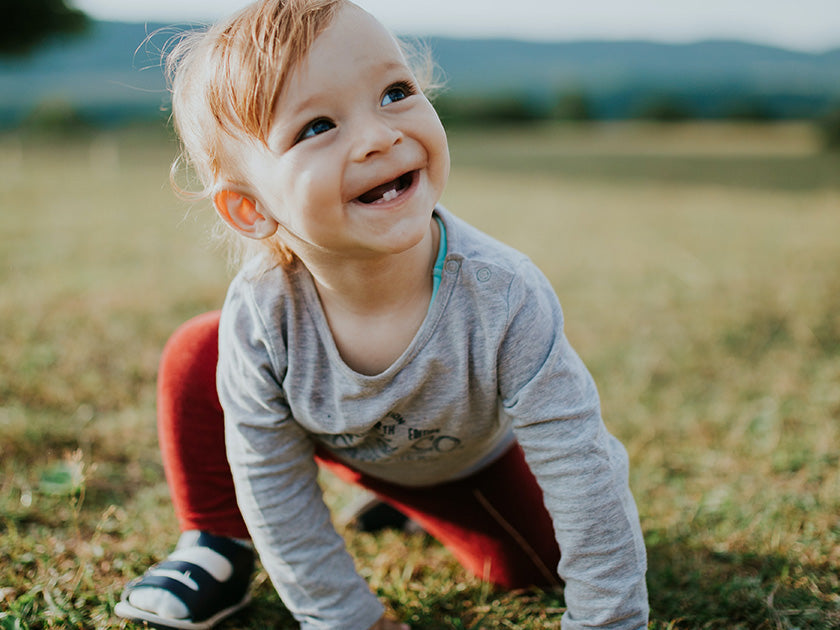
(127, 611)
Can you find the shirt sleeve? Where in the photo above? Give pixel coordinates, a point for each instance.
(275, 476)
(581, 468)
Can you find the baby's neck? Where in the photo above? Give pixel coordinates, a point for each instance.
(374, 308)
(367, 286)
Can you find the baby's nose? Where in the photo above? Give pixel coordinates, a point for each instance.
(374, 138)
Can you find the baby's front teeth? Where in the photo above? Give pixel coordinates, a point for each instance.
(390, 194)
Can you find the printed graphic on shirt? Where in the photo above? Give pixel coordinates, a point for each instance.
(388, 425)
(389, 435)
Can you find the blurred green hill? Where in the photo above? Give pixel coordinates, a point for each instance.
(711, 79)
(114, 75)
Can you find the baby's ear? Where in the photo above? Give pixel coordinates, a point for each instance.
(240, 212)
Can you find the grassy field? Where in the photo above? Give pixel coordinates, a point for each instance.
(699, 268)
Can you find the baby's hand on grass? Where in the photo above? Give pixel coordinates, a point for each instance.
(389, 624)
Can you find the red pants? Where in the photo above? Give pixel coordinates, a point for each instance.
(494, 522)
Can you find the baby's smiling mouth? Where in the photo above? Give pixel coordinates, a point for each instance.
(387, 191)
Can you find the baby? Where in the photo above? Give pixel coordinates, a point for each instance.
(372, 332)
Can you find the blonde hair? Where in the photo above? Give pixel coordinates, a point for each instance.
(226, 81)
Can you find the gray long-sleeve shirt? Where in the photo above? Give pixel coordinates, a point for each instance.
(489, 364)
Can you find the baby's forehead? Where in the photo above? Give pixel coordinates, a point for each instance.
(354, 41)
(350, 26)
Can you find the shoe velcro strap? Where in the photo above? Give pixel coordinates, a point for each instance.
(198, 603)
(240, 556)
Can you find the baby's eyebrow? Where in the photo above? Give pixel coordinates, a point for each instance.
(309, 102)
(393, 65)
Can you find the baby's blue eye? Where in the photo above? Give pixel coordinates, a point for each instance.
(397, 93)
(314, 128)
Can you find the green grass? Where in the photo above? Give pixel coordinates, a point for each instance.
(705, 298)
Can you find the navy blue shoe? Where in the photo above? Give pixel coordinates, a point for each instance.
(207, 599)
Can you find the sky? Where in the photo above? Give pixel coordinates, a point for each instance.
(807, 25)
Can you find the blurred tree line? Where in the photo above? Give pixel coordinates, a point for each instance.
(28, 23)
(575, 106)
(830, 127)
(458, 110)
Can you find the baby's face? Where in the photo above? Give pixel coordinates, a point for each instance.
(357, 157)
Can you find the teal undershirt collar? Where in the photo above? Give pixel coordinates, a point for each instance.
(437, 272)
